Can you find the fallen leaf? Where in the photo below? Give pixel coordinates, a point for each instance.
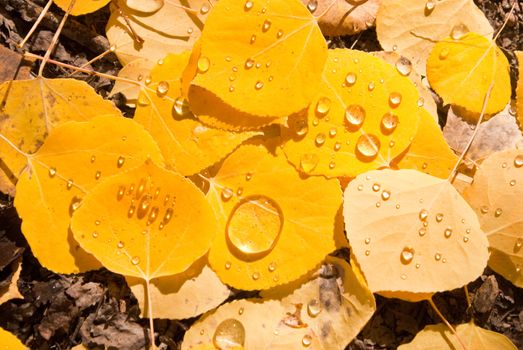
(30, 109)
(9, 341)
(412, 27)
(185, 295)
(495, 195)
(336, 303)
(173, 28)
(436, 337)
(134, 72)
(342, 17)
(411, 232)
(147, 6)
(462, 69)
(255, 54)
(11, 292)
(364, 115)
(498, 133)
(187, 145)
(274, 225)
(147, 222)
(428, 152)
(73, 160)
(81, 7)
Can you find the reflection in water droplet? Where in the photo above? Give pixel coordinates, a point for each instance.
(421, 102)
(248, 177)
(181, 106)
(389, 122)
(371, 86)
(320, 139)
(135, 260)
(271, 267)
(249, 63)
(350, 79)
(253, 39)
(465, 239)
(323, 106)
(367, 240)
(332, 164)
(308, 162)
(97, 175)
(279, 34)
(120, 245)
(394, 99)
(459, 31)
(337, 146)
(367, 252)
(404, 66)
(93, 158)
(52, 172)
(152, 215)
(355, 116)
(376, 187)
(95, 234)
(254, 226)
(512, 182)
(314, 307)
(162, 88)
(368, 145)
(203, 64)
(230, 333)
(204, 9)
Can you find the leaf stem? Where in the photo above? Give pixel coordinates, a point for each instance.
(103, 54)
(150, 312)
(452, 329)
(37, 22)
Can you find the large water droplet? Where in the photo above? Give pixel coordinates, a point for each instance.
(254, 226)
(306, 341)
(423, 214)
(314, 307)
(368, 145)
(204, 9)
(312, 5)
(320, 139)
(162, 88)
(323, 106)
(355, 116)
(389, 122)
(203, 64)
(518, 161)
(350, 79)
(181, 106)
(308, 162)
(459, 31)
(403, 66)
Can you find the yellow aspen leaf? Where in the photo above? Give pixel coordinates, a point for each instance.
(173, 28)
(135, 71)
(187, 145)
(75, 158)
(341, 17)
(462, 69)
(498, 133)
(412, 233)
(365, 114)
(495, 195)
(255, 54)
(519, 90)
(336, 303)
(81, 7)
(274, 226)
(9, 341)
(147, 222)
(11, 290)
(412, 27)
(147, 6)
(188, 294)
(439, 336)
(429, 152)
(32, 108)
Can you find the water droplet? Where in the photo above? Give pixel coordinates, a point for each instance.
(429, 6)
(437, 256)
(135, 260)
(459, 31)
(498, 212)
(314, 308)
(376, 187)
(271, 267)
(248, 5)
(439, 217)
(371, 86)
(355, 116)
(320, 139)
(69, 184)
(368, 145)
(422, 231)
(504, 165)
(394, 47)
(95, 234)
(152, 215)
(465, 239)
(350, 79)
(181, 107)
(279, 34)
(360, 187)
(518, 245)
(483, 209)
(323, 106)
(518, 161)
(248, 177)
(389, 122)
(162, 88)
(231, 88)
(385, 195)
(253, 39)
(97, 175)
(204, 9)
(447, 232)
(332, 164)
(512, 183)
(75, 204)
(258, 85)
(120, 245)
(266, 25)
(423, 214)
(168, 216)
(249, 63)
(337, 146)
(203, 64)
(312, 5)
(227, 193)
(367, 252)
(52, 172)
(394, 99)
(255, 276)
(132, 208)
(120, 161)
(306, 341)
(418, 266)
(227, 265)
(264, 220)
(308, 162)
(332, 132)
(367, 240)
(403, 66)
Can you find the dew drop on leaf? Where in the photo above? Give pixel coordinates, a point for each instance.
(69, 184)
(323, 106)
(135, 260)
(227, 193)
(258, 85)
(230, 333)
(447, 232)
(459, 31)
(120, 161)
(498, 212)
(312, 5)
(248, 5)
(203, 64)
(376, 187)
(306, 341)
(266, 25)
(350, 79)
(423, 214)
(368, 145)
(437, 256)
(394, 99)
(439, 217)
(355, 116)
(422, 231)
(385, 195)
(180, 106)
(314, 307)
(518, 161)
(162, 88)
(52, 172)
(389, 122)
(320, 139)
(403, 66)
(308, 162)
(429, 6)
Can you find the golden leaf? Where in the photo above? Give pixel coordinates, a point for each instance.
(274, 226)
(74, 159)
(187, 145)
(519, 90)
(81, 7)
(255, 54)
(436, 337)
(462, 68)
(411, 232)
(9, 341)
(147, 222)
(364, 115)
(411, 27)
(136, 71)
(495, 195)
(30, 109)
